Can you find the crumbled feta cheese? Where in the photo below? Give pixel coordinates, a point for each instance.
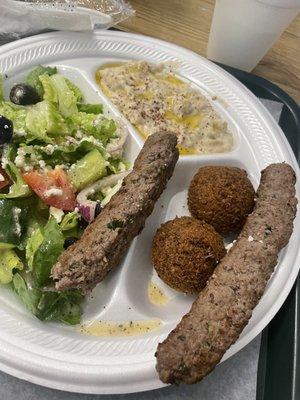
(21, 151)
(49, 149)
(20, 161)
(228, 247)
(61, 166)
(76, 210)
(250, 238)
(56, 213)
(4, 162)
(2, 179)
(79, 135)
(28, 168)
(16, 213)
(110, 191)
(33, 158)
(53, 192)
(260, 241)
(70, 140)
(92, 140)
(98, 120)
(42, 164)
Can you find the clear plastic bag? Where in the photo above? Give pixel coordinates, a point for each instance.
(22, 18)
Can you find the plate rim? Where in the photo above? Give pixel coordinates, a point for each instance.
(260, 109)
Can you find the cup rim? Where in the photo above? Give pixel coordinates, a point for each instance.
(286, 4)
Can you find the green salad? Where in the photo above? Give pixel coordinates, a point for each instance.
(61, 161)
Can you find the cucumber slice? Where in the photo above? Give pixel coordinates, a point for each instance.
(87, 170)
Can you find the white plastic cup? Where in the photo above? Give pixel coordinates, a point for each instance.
(242, 31)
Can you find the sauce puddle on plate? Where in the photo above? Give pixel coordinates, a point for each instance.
(127, 328)
(156, 295)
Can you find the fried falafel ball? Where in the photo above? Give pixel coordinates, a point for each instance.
(185, 252)
(222, 197)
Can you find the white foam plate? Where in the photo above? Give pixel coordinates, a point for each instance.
(58, 356)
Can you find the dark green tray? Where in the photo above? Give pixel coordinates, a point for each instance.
(278, 376)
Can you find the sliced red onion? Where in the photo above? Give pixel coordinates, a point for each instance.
(87, 207)
(87, 210)
(117, 144)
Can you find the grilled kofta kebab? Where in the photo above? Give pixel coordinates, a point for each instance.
(225, 305)
(106, 240)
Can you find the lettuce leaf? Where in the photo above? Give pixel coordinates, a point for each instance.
(17, 114)
(50, 93)
(58, 89)
(90, 108)
(69, 221)
(70, 225)
(17, 226)
(6, 246)
(8, 262)
(98, 126)
(38, 218)
(44, 253)
(75, 89)
(1, 88)
(14, 217)
(19, 188)
(117, 165)
(43, 119)
(30, 297)
(64, 306)
(67, 101)
(33, 80)
(33, 244)
(49, 305)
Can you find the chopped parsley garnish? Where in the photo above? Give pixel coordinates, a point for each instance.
(115, 224)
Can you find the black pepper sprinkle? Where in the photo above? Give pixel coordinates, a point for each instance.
(181, 337)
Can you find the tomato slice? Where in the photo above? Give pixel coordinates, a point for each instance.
(53, 187)
(4, 178)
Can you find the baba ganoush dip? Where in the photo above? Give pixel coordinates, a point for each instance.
(153, 99)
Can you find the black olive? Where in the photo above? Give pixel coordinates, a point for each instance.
(23, 94)
(6, 130)
(82, 223)
(98, 209)
(69, 242)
